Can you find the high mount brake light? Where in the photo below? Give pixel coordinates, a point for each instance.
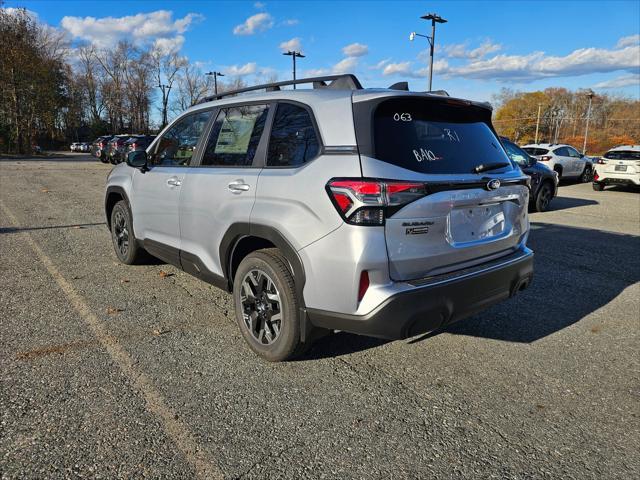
(368, 202)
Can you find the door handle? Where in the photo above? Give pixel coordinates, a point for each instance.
(174, 182)
(238, 186)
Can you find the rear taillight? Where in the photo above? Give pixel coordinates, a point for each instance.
(369, 202)
(601, 161)
(545, 158)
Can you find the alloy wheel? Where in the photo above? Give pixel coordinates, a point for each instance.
(261, 306)
(121, 233)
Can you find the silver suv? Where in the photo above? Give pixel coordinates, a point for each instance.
(381, 212)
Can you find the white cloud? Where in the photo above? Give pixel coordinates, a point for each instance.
(293, 44)
(381, 64)
(316, 72)
(241, 70)
(537, 65)
(254, 24)
(141, 29)
(460, 50)
(169, 45)
(289, 22)
(355, 50)
(620, 82)
(402, 68)
(629, 41)
(346, 65)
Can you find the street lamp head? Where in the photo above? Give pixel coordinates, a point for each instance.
(434, 17)
(412, 36)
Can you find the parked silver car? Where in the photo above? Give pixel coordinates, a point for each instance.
(380, 212)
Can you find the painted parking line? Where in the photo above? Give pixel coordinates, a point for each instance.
(205, 467)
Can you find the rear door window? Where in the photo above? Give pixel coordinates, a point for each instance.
(561, 152)
(293, 140)
(235, 136)
(434, 137)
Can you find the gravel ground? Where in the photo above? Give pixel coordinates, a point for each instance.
(110, 371)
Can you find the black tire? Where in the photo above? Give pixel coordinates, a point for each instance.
(124, 243)
(544, 196)
(273, 340)
(587, 174)
(597, 186)
(103, 159)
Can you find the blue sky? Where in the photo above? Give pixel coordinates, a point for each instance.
(485, 45)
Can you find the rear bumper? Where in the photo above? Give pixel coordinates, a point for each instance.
(438, 301)
(610, 178)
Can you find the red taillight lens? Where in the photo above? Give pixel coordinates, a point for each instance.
(545, 158)
(364, 285)
(364, 202)
(602, 161)
(596, 176)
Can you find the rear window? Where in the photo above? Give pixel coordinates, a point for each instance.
(535, 151)
(622, 155)
(434, 137)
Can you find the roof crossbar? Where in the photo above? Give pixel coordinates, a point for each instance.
(338, 82)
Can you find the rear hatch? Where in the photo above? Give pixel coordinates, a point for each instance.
(473, 207)
(621, 162)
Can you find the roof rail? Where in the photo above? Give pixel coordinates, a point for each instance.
(338, 82)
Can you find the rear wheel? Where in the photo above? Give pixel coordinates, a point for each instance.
(124, 243)
(597, 186)
(587, 175)
(545, 194)
(266, 306)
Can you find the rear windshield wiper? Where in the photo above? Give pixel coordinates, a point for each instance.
(485, 167)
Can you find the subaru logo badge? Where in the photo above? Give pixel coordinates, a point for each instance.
(493, 184)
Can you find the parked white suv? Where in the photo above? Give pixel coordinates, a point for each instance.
(380, 212)
(564, 159)
(619, 166)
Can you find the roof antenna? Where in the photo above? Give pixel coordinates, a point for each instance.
(400, 86)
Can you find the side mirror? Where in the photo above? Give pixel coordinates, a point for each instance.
(137, 159)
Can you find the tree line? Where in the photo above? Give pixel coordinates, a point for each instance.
(52, 94)
(560, 116)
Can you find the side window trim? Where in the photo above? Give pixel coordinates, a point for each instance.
(321, 146)
(259, 158)
(198, 150)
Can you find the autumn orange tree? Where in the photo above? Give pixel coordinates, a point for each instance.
(563, 115)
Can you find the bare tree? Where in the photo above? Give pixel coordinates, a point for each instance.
(192, 86)
(166, 66)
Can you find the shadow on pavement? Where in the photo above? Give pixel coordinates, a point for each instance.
(51, 227)
(563, 203)
(55, 157)
(577, 271)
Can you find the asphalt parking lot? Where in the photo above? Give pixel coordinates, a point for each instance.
(112, 371)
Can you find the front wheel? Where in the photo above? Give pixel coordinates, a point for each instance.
(266, 306)
(124, 243)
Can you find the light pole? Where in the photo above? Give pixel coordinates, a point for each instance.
(538, 123)
(432, 40)
(165, 100)
(215, 80)
(293, 54)
(590, 94)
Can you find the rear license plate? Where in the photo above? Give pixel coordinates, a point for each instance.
(621, 168)
(472, 224)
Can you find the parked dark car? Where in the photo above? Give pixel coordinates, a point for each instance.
(99, 147)
(140, 142)
(116, 148)
(544, 181)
